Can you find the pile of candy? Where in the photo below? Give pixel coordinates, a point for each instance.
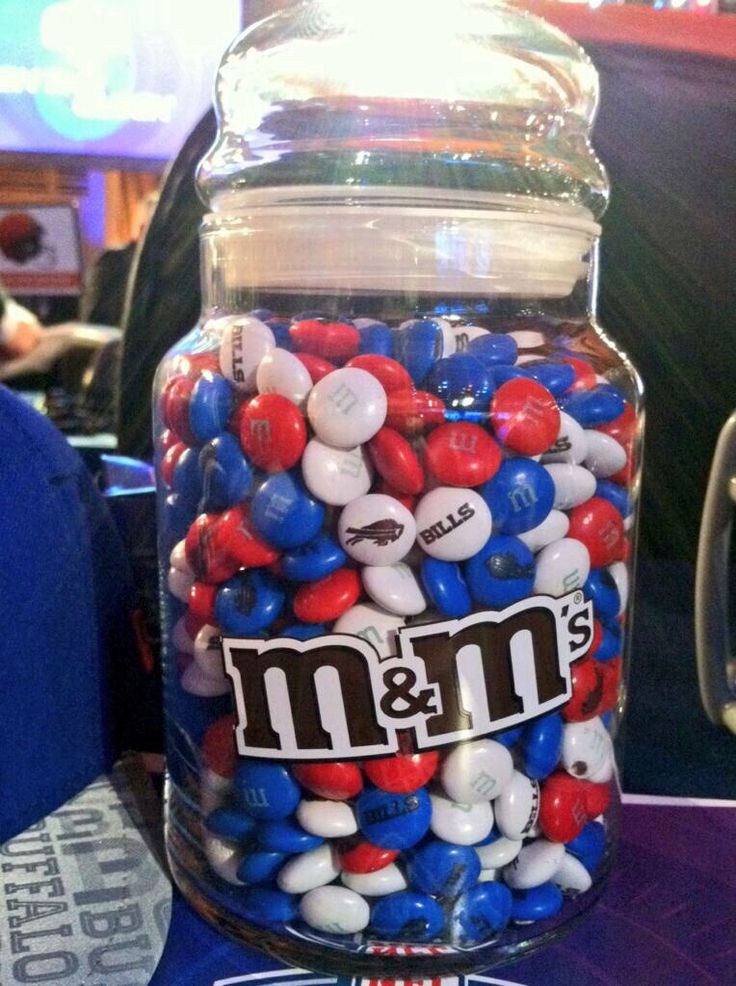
(346, 477)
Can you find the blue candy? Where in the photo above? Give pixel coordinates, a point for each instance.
(500, 373)
(418, 346)
(225, 474)
(520, 495)
(589, 846)
(494, 835)
(264, 314)
(280, 329)
(443, 868)
(501, 573)
(601, 589)
(556, 377)
(286, 835)
(248, 602)
(494, 349)
(615, 494)
(610, 645)
(461, 381)
(210, 406)
(270, 907)
(304, 631)
(541, 746)
(481, 913)
(536, 904)
(594, 407)
(444, 584)
(394, 821)
(265, 790)
(509, 736)
(187, 481)
(231, 823)
(284, 513)
(314, 560)
(407, 916)
(376, 340)
(260, 867)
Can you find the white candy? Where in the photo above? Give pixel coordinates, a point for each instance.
(517, 807)
(280, 372)
(376, 529)
(224, 857)
(605, 455)
(561, 567)
(336, 910)
(179, 583)
(336, 475)
(388, 880)
(394, 588)
(195, 681)
(178, 558)
(347, 407)
(477, 771)
(330, 819)
(527, 339)
(587, 749)
(462, 824)
(180, 638)
(245, 340)
(498, 853)
(571, 876)
(571, 444)
(207, 651)
(464, 335)
(373, 624)
(620, 575)
(308, 870)
(554, 526)
(536, 864)
(488, 876)
(573, 484)
(452, 523)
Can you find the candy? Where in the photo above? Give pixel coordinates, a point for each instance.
(314, 491)
(347, 407)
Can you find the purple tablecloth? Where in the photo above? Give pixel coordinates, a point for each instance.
(667, 918)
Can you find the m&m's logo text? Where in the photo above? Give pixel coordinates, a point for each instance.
(335, 697)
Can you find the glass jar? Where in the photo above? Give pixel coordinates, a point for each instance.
(397, 466)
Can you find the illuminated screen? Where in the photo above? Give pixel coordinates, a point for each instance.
(108, 78)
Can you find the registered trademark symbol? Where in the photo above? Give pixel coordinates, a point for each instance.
(577, 598)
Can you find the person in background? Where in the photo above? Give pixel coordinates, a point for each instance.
(20, 330)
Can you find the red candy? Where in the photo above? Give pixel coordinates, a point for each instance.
(594, 689)
(413, 411)
(235, 537)
(208, 561)
(175, 407)
(404, 499)
(462, 454)
(563, 810)
(202, 601)
(364, 857)
(218, 746)
(333, 340)
(585, 375)
(600, 527)
(403, 773)
(597, 798)
(195, 364)
(390, 374)
(315, 365)
(334, 781)
(396, 461)
(327, 598)
(273, 433)
(525, 416)
(622, 428)
(169, 461)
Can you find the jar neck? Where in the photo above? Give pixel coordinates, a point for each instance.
(404, 248)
